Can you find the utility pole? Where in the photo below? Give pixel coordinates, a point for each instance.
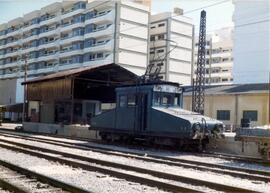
(199, 84)
(269, 99)
(24, 89)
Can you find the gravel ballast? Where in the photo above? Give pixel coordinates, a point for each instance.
(192, 173)
(92, 181)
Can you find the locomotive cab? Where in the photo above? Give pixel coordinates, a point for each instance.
(134, 103)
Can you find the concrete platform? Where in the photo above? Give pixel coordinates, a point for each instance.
(63, 130)
(230, 146)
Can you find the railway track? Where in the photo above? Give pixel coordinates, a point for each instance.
(233, 171)
(20, 180)
(204, 154)
(106, 167)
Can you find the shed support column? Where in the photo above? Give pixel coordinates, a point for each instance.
(72, 100)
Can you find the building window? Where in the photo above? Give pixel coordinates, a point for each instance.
(152, 38)
(160, 51)
(100, 55)
(252, 115)
(161, 24)
(153, 27)
(223, 115)
(161, 37)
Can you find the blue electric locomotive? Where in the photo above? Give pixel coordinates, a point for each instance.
(153, 112)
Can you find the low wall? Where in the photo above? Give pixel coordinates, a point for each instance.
(230, 146)
(64, 130)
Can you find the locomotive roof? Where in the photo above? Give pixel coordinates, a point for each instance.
(153, 83)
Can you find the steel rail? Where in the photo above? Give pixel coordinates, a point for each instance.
(42, 178)
(206, 154)
(233, 171)
(4, 184)
(95, 168)
(183, 179)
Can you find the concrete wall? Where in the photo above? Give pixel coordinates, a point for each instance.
(230, 146)
(251, 41)
(236, 103)
(132, 33)
(8, 91)
(65, 130)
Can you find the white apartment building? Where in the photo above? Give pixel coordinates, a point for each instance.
(171, 40)
(251, 41)
(73, 34)
(218, 59)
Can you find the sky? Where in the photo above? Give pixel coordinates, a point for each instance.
(218, 16)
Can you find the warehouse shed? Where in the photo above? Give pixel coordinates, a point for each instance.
(74, 96)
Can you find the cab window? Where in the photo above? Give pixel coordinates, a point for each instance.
(131, 100)
(123, 101)
(166, 99)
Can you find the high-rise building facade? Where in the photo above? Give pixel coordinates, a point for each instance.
(171, 40)
(74, 34)
(251, 41)
(219, 58)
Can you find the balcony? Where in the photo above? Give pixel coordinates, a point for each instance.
(10, 54)
(69, 39)
(49, 32)
(10, 75)
(105, 46)
(222, 65)
(100, 61)
(69, 66)
(221, 75)
(71, 12)
(29, 27)
(101, 32)
(101, 18)
(71, 26)
(45, 70)
(51, 19)
(13, 64)
(71, 52)
(3, 36)
(27, 50)
(30, 38)
(14, 32)
(2, 46)
(54, 43)
(158, 43)
(31, 60)
(47, 57)
(222, 54)
(13, 43)
(2, 66)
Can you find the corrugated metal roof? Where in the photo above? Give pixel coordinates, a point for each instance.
(75, 72)
(232, 89)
